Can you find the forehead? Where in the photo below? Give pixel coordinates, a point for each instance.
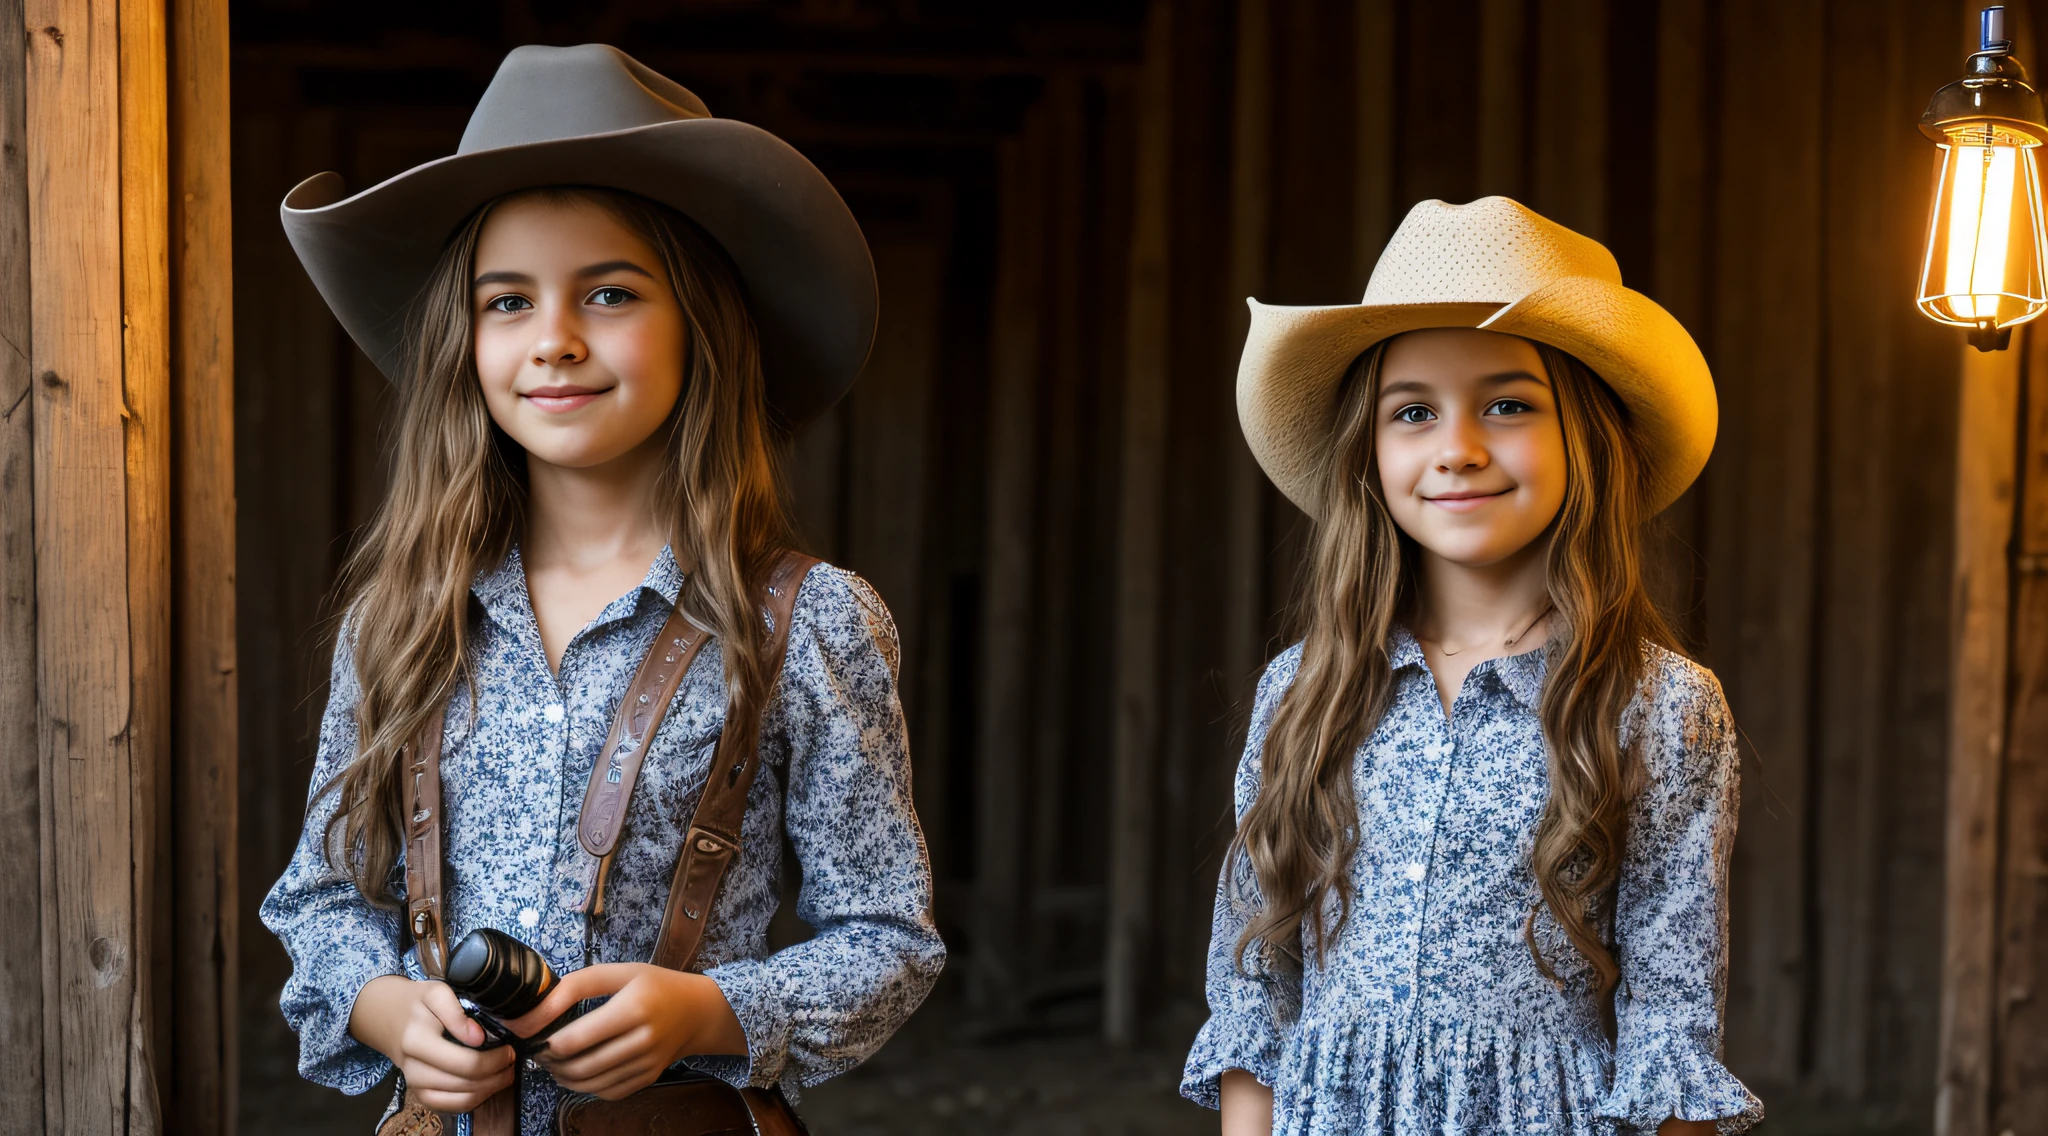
(1457, 354)
(538, 231)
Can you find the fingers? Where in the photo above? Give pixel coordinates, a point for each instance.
(425, 1046)
(600, 1061)
(446, 1092)
(440, 1002)
(601, 980)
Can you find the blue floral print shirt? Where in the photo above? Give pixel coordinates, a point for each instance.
(835, 779)
(1428, 1013)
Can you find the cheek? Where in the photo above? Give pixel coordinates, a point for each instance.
(1536, 460)
(498, 359)
(647, 358)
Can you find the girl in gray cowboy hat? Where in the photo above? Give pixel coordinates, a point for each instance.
(584, 694)
(1479, 880)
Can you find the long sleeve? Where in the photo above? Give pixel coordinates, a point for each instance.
(1671, 914)
(1245, 1029)
(337, 940)
(818, 1008)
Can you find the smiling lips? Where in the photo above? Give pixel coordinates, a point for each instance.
(561, 398)
(1465, 501)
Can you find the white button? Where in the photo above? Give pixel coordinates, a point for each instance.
(1414, 872)
(553, 713)
(529, 918)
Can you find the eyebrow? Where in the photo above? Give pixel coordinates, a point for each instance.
(601, 269)
(1416, 386)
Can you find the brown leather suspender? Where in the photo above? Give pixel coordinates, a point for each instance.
(710, 846)
(713, 839)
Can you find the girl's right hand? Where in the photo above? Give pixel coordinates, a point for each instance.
(409, 1021)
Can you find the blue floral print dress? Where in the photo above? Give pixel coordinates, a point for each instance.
(1428, 1014)
(835, 779)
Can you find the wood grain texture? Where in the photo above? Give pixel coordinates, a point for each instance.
(1135, 725)
(1251, 203)
(85, 715)
(1766, 352)
(2020, 1078)
(146, 413)
(1568, 162)
(21, 889)
(1504, 74)
(1978, 660)
(1376, 182)
(203, 934)
(1003, 747)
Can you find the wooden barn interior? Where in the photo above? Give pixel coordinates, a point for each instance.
(1042, 473)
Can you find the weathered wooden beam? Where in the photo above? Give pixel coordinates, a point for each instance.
(1136, 728)
(1760, 495)
(22, 990)
(1978, 662)
(91, 645)
(1503, 77)
(1568, 175)
(2020, 1079)
(202, 939)
(1011, 566)
(1251, 205)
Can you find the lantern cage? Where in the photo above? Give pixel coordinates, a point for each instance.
(1986, 261)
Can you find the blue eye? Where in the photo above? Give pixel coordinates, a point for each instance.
(1414, 414)
(1509, 406)
(509, 304)
(610, 297)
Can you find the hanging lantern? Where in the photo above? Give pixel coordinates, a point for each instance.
(1987, 241)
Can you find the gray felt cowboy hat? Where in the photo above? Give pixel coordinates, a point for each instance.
(592, 115)
(1492, 264)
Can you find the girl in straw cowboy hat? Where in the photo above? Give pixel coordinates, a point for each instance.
(1479, 878)
(599, 314)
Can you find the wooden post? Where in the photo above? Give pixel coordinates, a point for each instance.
(1003, 747)
(1135, 732)
(204, 885)
(1978, 658)
(88, 525)
(1374, 211)
(2021, 1014)
(22, 989)
(94, 899)
(1251, 203)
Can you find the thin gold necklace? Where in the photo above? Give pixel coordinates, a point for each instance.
(1510, 640)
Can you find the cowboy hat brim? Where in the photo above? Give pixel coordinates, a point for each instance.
(808, 276)
(1295, 360)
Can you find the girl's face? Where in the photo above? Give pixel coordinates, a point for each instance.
(579, 336)
(1470, 449)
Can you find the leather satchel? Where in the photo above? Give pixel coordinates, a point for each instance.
(683, 1102)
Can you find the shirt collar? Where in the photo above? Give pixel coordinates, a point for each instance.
(1521, 674)
(502, 590)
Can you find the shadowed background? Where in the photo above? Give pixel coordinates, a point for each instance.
(1042, 474)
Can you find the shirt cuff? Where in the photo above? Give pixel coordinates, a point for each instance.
(1226, 1044)
(1668, 1076)
(750, 990)
(330, 1055)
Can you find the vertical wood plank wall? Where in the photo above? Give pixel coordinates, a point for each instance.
(99, 542)
(1069, 625)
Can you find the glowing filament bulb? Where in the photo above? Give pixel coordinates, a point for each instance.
(1979, 226)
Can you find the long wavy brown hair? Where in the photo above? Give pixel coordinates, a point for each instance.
(1302, 831)
(457, 502)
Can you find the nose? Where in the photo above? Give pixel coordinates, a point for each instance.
(1460, 448)
(558, 340)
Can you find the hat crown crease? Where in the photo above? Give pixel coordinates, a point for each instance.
(1494, 250)
(541, 94)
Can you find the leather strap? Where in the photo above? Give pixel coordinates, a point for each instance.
(423, 910)
(612, 778)
(709, 848)
(713, 840)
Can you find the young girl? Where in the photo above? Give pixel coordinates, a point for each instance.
(1485, 809)
(589, 382)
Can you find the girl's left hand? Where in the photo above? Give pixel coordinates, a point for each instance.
(655, 1017)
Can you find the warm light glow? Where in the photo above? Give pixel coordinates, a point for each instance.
(1986, 240)
(1977, 235)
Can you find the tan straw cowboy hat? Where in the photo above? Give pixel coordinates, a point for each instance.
(1491, 264)
(594, 116)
